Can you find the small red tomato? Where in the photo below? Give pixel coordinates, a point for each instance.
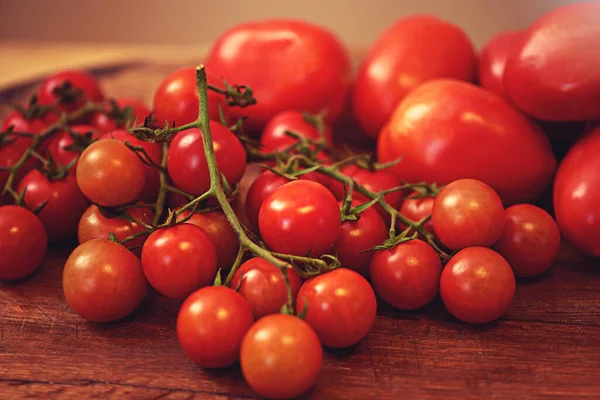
(417, 209)
(477, 285)
(18, 123)
(64, 203)
(139, 111)
(468, 213)
(280, 356)
(178, 260)
(110, 174)
(23, 242)
(262, 285)
(493, 60)
(274, 136)
(103, 281)
(211, 325)
(300, 218)
(9, 156)
(80, 81)
(64, 148)
(406, 276)
(186, 160)
(337, 187)
(378, 181)
(341, 307)
(530, 240)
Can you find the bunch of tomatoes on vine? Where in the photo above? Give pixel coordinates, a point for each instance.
(236, 194)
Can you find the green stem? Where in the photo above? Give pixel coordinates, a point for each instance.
(162, 194)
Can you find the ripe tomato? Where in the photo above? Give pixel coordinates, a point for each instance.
(447, 130)
(103, 281)
(23, 242)
(110, 174)
(186, 161)
(280, 356)
(577, 194)
(178, 260)
(341, 307)
(289, 64)
(406, 276)
(63, 149)
(493, 60)
(64, 203)
(78, 80)
(540, 79)
(19, 123)
(378, 181)
(300, 218)
(477, 285)
(10, 155)
(357, 237)
(467, 213)
(104, 123)
(417, 209)
(413, 50)
(176, 99)
(263, 286)
(211, 325)
(274, 136)
(530, 240)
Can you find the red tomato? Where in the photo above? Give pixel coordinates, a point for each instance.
(406, 276)
(447, 130)
(78, 80)
(300, 218)
(280, 356)
(263, 286)
(493, 60)
(10, 155)
(411, 51)
(23, 242)
(337, 187)
(110, 174)
(186, 161)
(274, 136)
(103, 281)
(211, 325)
(417, 209)
(467, 213)
(18, 123)
(530, 240)
(64, 203)
(289, 64)
(176, 99)
(341, 307)
(577, 194)
(554, 73)
(104, 123)
(63, 149)
(378, 181)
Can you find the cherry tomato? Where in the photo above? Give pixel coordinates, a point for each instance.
(337, 187)
(23, 242)
(416, 209)
(530, 240)
(300, 218)
(406, 276)
(262, 285)
(577, 194)
(18, 123)
(104, 123)
(378, 181)
(477, 285)
(539, 78)
(274, 136)
(78, 80)
(211, 325)
(176, 99)
(178, 260)
(103, 281)
(467, 213)
(493, 60)
(357, 237)
(186, 160)
(110, 174)
(280, 356)
(64, 203)
(341, 307)
(9, 156)
(289, 64)
(413, 50)
(446, 130)
(63, 148)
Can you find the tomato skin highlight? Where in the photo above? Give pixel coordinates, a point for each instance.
(494, 55)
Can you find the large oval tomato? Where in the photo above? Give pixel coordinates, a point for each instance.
(274, 136)
(83, 82)
(446, 130)
(493, 60)
(410, 52)
(65, 147)
(105, 123)
(555, 72)
(289, 64)
(577, 194)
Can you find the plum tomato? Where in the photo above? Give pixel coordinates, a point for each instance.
(406, 276)
(103, 122)
(211, 325)
(64, 147)
(411, 51)
(23, 242)
(263, 286)
(80, 81)
(280, 356)
(530, 240)
(341, 307)
(467, 213)
(416, 209)
(493, 60)
(274, 136)
(300, 218)
(103, 281)
(446, 130)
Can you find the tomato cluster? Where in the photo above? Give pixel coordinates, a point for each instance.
(162, 198)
